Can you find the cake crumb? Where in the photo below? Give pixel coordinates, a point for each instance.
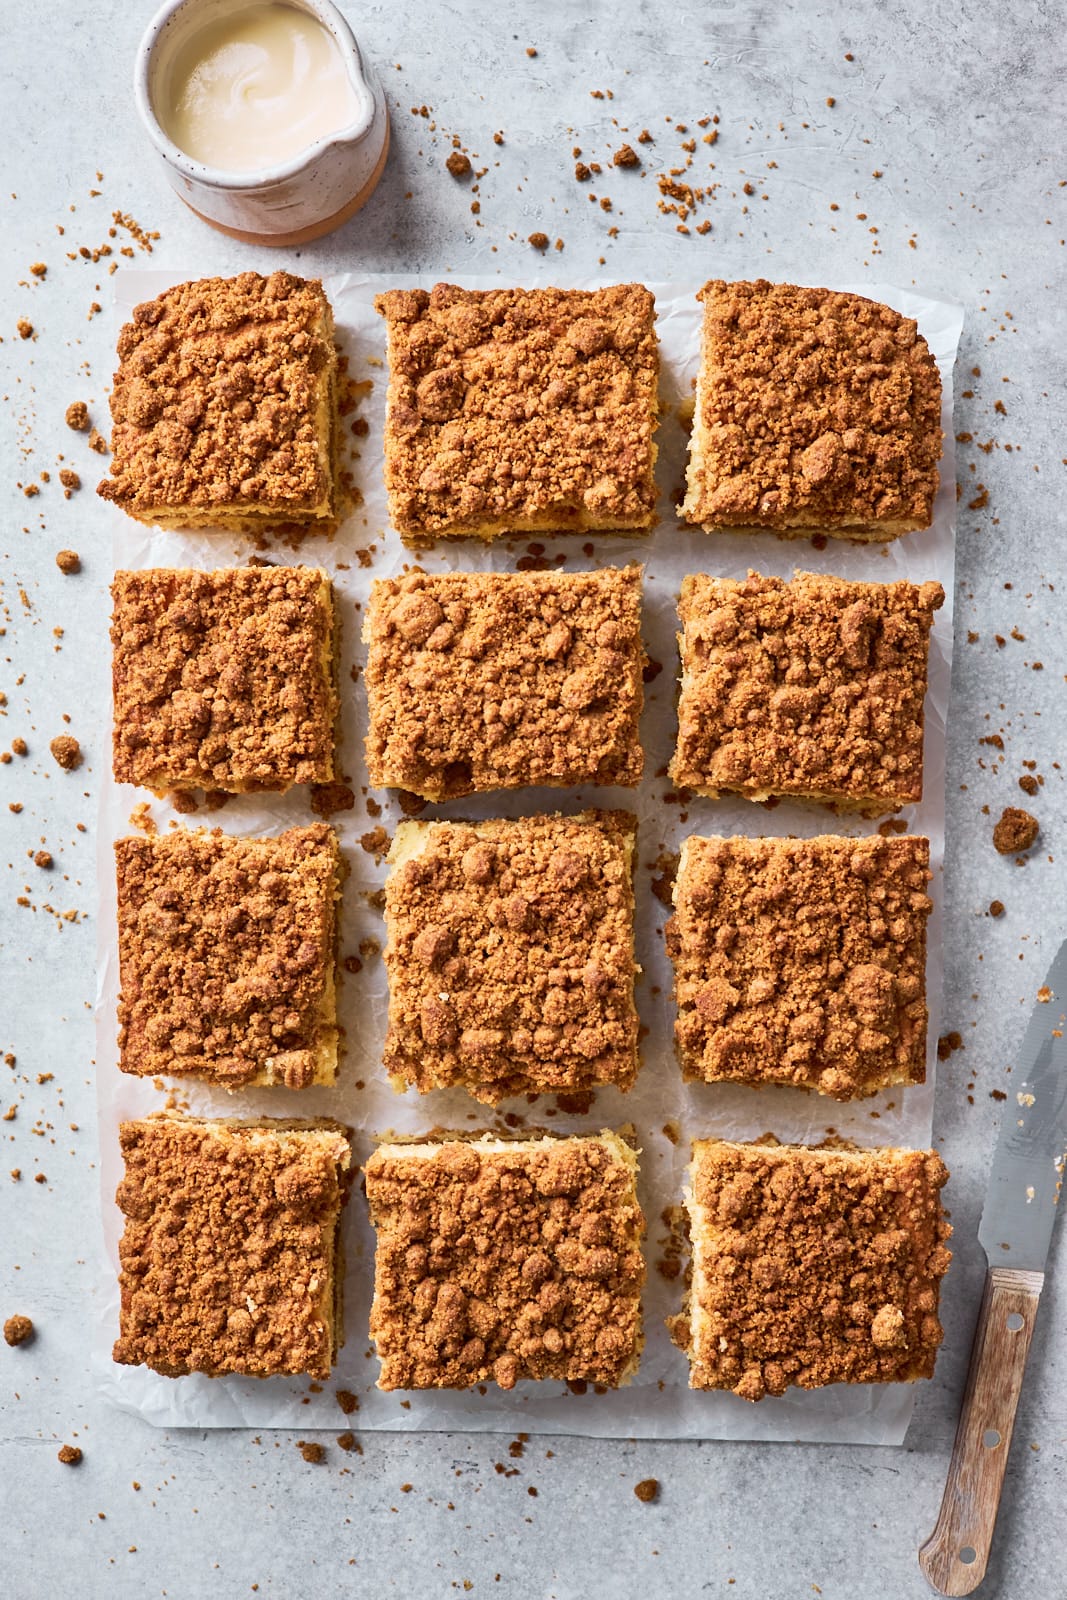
(1015, 832)
(538, 240)
(68, 561)
(647, 1490)
(347, 1401)
(25, 328)
(70, 1455)
(43, 858)
(97, 442)
(626, 156)
(458, 164)
(77, 416)
(310, 1451)
(18, 1330)
(66, 752)
(996, 908)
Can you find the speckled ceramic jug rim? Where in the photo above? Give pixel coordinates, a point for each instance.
(218, 177)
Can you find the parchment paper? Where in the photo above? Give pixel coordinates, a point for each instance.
(658, 1404)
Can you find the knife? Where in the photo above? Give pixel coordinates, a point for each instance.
(1016, 1227)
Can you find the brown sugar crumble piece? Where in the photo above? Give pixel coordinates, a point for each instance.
(812, 1266)
(77, 416)
(227, 956)
(66, 752)
(69, 1454)
(458, 164)
(311, 1451)
(626, 156)
(814, 410)
(647, 1490)
(996, 908)
(802, 961)
(225, 407)
(230, 1255)
(520, 411)
(539, 241)
(18, 1330)
(511, 955)
(68, 562)
(224, 680)
(500, 1260)
(25, 328)
(812, 687)
(492, 680)
(1015, 832)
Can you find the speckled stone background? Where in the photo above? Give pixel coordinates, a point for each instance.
(905, 142)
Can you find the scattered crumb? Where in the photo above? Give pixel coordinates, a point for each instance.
(647, 1490)
(66, 752)
(626, 156)
(68, 561)
(18, 1330)
(347, 1401)
(458, 164)
(97, 442)
(327, 798)
(70, 1455)
(25, 328)
(1015, 832)
(77, 416)
(539, 241)
(310, 1451)
(43, 858)
(996, 908)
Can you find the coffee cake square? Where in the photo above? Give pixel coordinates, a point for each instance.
(225, 407)
(498, 1260)
(227, 956)
(812, 688)
(802, 961)
(511, 955)
(503, 680)
(812, 1266)
(520, 411)
(231, 1255)
(814, 410)
(224, 680)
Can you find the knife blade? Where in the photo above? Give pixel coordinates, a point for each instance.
(1024, 1185)
(1015, 1232)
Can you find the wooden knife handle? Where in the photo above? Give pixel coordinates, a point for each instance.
(954, 1557)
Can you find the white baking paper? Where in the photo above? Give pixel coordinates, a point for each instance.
(658, 1404)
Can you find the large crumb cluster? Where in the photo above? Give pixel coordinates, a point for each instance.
(520, 409)
(223, 680)
(228, 1254)
(814, 409)
(223, 403)
(226, 953)
(802, 961)
(505, 1262)
(491, 680)
(813, 1266)
(511, 957)
(812, 687)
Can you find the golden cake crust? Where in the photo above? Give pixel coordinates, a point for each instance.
(226, 956)
(814, 409)
(223, 404)
(813, 1266)
(511, 955)
(494, 680)
(223, 680)
(229, 1256)
(812, 687)
(520, 410)
(507, 1262)
(802, 961)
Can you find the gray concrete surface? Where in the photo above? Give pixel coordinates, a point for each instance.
(957, 108)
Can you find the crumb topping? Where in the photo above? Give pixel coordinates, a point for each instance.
(492, 680)
(222, 398)
(223, 680)
(228, 1251)
(508, 406)
(802, 961)
(18, 1330)
(66, 752)
(811, 687)
(814, 408)
(505, 1263)
(1015, 832)
(226, 955)
(511, 956)
(814, 1266)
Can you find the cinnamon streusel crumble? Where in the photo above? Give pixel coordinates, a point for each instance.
(499, 1260)
(495, 680)
(225, 407)
(802, 961)
(812, 1266)
(810, 688)
(230, 1257)
(224, 680)
(511, 955)
(227, 956)
(814, 410)
(520, 410)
